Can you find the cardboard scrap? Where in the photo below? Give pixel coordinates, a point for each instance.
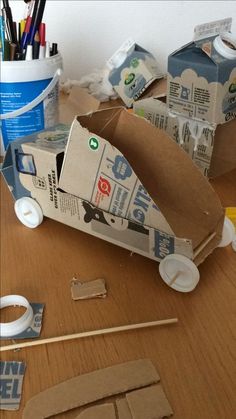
(90, 289)
(91, 387)
(103, 411)
(123, 409)
(11, 381)
(149, 403)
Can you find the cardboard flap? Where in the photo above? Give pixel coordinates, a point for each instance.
(184, 196)
(97, 172)
(79, 102)
(224, 150)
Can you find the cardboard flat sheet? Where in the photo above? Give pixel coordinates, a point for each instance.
(94, 386)
(149, 403)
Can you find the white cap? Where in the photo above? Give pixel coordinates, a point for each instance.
(228, 233)
(179, 272)
(234, 243)
(29, 212)
(22, 323)
(220, 44)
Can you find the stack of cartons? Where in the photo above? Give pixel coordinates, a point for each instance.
(201, 99)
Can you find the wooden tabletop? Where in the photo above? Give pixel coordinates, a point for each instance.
(195, 357)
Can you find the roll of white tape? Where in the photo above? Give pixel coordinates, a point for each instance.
(17, 326)
(225, 45)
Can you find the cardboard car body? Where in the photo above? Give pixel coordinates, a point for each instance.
(44, 166)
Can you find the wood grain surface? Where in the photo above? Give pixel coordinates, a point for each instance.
(195, 357)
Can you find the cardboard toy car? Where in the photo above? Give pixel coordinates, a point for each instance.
(116, 176)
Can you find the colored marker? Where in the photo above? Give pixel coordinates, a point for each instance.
(54, 50)
(36, 18)
(6, 10)
(36, 46)
(47, 50)
(29, 53)
(25, 34)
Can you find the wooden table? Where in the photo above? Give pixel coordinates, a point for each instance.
(194, 358)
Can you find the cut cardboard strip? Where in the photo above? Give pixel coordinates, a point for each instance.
(90, 289)
(103, 411)
(123, 409)
(91, 387)
(149, 403)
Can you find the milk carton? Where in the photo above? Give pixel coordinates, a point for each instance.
(202, 75)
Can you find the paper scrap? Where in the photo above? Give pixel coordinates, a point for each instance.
(11, 380)
(89, 289)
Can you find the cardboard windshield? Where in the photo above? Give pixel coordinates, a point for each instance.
(184, 197)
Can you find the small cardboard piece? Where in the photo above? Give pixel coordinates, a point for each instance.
(11, 381)
(201, 82)
(91, 387)
(123, 409)
(133, 69)
(215, 153)
(149, 403)
(90, 289)
(78, 102)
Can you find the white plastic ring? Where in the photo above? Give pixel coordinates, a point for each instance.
(220, 44)
(29, 212)
(228, 233)
(18, 326)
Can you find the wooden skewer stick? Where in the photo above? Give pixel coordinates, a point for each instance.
(175, 277)
(27, 212)
(87, 334)
(204, 244)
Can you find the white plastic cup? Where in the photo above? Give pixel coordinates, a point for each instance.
(29, 92)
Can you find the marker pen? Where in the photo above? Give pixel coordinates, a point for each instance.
(29, 53)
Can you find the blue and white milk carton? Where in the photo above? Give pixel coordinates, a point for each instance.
(132, 71)
(202, 75)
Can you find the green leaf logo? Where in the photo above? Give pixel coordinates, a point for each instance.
(93, 143)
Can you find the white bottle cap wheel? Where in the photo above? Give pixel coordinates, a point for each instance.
(22, 323)
(228, 233)
(234, 243)
(179, 272)
(29, 212)
(225, 45)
